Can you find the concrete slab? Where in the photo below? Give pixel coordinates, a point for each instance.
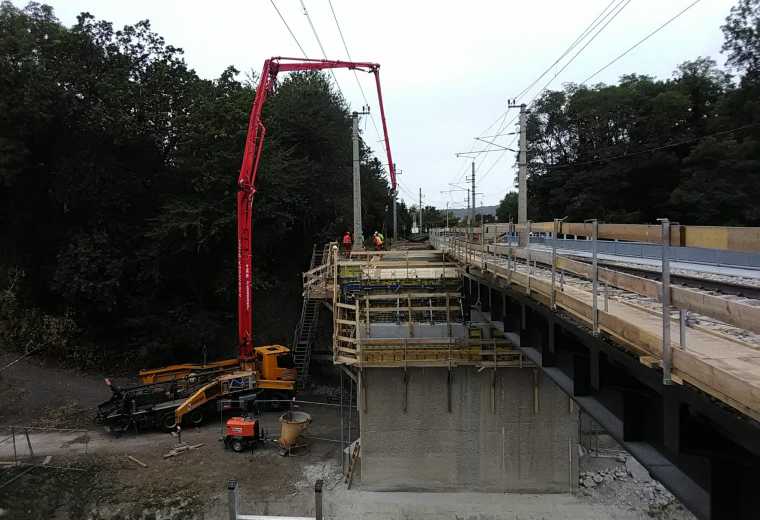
(341, 504)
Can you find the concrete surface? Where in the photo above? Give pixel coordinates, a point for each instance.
(416, 330)
(505, 449)
(342, 504)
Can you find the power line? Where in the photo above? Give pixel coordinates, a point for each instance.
(463, 171)
(594, 23)
(620, 6)
(580, 37)
(319, 42)
(405, 190)
(645, 38)
(653, 149)
(345, 46)
(617, 9)
(606, 14)
(602, 18)
(289, 30)
(605, 67)
(498, 158)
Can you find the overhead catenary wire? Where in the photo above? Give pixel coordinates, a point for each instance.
(465, 169)
(319, 43)
(645, 38)
(589, 28)
(605, 17)
(498, 158)
(605, 67)
(356, 76)
(292, 35)
(405, 190)
(567, 51)
(620, 6)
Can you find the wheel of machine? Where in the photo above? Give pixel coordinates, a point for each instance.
(237, 445)
(195, 417)
(168, 422)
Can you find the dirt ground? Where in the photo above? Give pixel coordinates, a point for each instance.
(90, 477)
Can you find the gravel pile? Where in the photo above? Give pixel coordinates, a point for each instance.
(630, 486)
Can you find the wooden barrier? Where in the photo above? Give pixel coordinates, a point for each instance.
(742, 239)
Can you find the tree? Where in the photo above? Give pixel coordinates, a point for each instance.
(118, 171)
(638, 150)
(742, 37)
(506, 211)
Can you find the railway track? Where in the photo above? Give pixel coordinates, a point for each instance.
(722, 287)
(696, 282)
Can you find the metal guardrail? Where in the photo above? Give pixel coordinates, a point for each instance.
(234, 503)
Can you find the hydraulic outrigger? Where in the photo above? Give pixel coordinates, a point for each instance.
(170, 393)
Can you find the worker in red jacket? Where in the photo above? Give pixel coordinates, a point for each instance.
(347, 243)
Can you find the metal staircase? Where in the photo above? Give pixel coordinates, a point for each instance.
(306, 328)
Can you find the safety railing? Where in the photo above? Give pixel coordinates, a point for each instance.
(520, 269)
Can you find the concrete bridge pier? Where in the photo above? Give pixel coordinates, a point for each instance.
(476, 429)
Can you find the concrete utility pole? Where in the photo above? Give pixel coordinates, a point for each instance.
(472, 208)
(468, 218)
(395, 215)
(358, 233)
(420, 210)
(522, 175)
(522, 172)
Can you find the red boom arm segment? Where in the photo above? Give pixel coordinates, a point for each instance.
(254, 144)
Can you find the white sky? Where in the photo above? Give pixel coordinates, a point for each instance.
(447, 68)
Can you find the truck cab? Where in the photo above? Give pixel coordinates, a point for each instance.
(275, 363)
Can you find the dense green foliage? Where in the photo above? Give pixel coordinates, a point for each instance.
(506, 211)
(118, 170)
(686, 148)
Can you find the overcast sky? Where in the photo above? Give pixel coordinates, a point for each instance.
(447, 68)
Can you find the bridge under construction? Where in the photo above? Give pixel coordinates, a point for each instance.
(474, 355)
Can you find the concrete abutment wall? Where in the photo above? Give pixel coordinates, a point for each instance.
(493, 439)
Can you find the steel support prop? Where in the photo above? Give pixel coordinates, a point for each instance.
(594, 275)
(555, 233)
(318, 500)
(683, 316)
(667, 354)
(232, 496)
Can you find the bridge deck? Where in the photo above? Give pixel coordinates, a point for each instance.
(727, 369)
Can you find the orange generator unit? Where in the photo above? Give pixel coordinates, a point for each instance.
(241, 433)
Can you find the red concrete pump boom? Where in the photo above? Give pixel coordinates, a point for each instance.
(254, 144)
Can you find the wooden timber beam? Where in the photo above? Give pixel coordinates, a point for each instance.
(728, 238)
(414, 295)
(724, 369)
(740, 315)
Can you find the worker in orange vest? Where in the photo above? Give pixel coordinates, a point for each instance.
(347, 243)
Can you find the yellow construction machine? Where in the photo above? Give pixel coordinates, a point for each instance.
(170, 394)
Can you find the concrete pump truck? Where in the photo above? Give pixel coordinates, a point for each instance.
(170, 394)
